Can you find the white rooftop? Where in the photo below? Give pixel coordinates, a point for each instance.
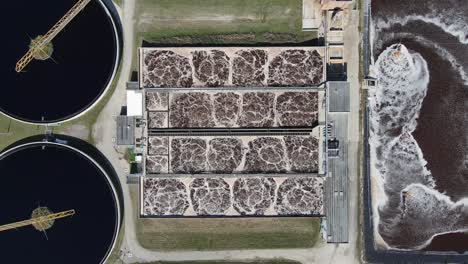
(134, 103)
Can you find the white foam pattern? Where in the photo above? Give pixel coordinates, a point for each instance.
(413, 212)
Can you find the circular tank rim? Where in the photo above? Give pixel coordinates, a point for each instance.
(12, 150)
(118, 55)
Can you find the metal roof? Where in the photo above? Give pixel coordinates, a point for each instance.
(338, 96)
(336, 185)
(133, 86)
(125, 130)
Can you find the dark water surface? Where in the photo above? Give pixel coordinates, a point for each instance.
(442, 131)
(83, 59)
(60, 179)
(454, 241)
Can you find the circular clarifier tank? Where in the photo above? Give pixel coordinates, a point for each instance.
(82, 63)
(59, 176)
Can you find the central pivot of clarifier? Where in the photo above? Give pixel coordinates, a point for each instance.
(41, 52)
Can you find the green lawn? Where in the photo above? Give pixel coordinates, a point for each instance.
(220, 21)
(219, 234)
(257, 261)
(11, 131)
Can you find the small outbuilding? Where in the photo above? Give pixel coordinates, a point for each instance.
(125, 131)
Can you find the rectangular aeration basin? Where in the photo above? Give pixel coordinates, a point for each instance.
(232, 154)
(231, 109)
(232, 66)
(224, 197)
